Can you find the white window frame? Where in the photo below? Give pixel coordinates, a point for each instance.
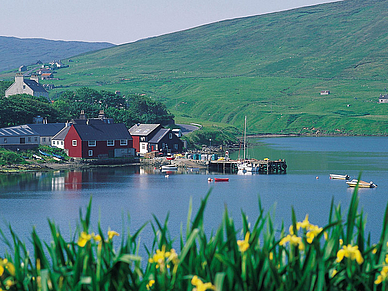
(110, 143)
(74, 142)
(170, 135)
(92, 143)
(123, 142)
(90, 153)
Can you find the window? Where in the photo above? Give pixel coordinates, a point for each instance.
(62, 142)
(36, 139)
(29, 139)
(22, 140)
(43, 139)
(74, 142)
(92, 143)
(170, 136)
(5, 140)
(175, 146)
(110, 143)
(123, 142)
(90, 153)
(53, 142)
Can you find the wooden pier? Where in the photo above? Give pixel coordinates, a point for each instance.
(262, 166)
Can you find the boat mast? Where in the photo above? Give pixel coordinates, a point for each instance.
(245, 135)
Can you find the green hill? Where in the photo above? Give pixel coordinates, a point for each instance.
(271, 68)
(15, 52)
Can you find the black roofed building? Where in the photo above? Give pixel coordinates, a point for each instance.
(165, 141)
(141, 134)
(26, 86)
(96, 138)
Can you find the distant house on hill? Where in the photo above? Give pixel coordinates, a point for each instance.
(22, 68)
(26, 86)
(325, 92)
(383, 98)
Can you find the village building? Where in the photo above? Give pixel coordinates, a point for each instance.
(26, 86)
(153, 137)
(141, 134)
(20, 137)
(29, 136)
(325, 92)
(383, 98)
(95, 138)
(165, 141)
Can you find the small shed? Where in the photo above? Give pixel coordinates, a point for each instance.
(383, 98)
(325, 92)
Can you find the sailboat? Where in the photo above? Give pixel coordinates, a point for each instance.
(245, 165)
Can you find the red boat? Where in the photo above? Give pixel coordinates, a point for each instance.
(221, 179)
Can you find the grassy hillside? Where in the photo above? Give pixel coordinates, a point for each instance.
(270, 67)
(15, 52)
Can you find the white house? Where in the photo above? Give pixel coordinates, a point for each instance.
(26, 86)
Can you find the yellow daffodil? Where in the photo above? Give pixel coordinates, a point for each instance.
(243, 245)
(111, 234)
(293, 240)
(161, 255)
(350, 252)
(314, 230)
(5, 265)
(341, 241)
(200, 286)
(271, 256)
(383, 275)
(150, 283)
(84, 238)
(333, 273)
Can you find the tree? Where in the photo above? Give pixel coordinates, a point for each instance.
(21, 109)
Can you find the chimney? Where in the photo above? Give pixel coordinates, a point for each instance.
(19, 79)
(82, 115)
(101, 114)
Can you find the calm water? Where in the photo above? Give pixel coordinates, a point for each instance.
(28, 200)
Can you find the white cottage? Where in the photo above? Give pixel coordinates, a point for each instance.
(26, 86)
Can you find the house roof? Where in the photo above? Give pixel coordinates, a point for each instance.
(143, 129)
(159, 135)
(62, 134)
(36, 87)
(383, 96)
(48, 129)
(20, 130)
(102, 131)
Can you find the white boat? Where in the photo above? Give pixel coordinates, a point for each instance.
(341, 177)
(246, 166)
(169, 168)
(361, 184)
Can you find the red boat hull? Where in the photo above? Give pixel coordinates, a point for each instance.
(221, 179)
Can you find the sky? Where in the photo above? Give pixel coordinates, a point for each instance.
(124, 21)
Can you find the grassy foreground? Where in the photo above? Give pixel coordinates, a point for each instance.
(338, 256)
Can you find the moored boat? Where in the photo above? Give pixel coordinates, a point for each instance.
(341, 177)
(169, 168)
(361, 184)
(221, 179)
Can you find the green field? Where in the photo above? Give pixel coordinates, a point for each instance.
(270, 67)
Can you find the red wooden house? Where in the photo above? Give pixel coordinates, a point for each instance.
(98, 138)
(153, 137)
(141, 134)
